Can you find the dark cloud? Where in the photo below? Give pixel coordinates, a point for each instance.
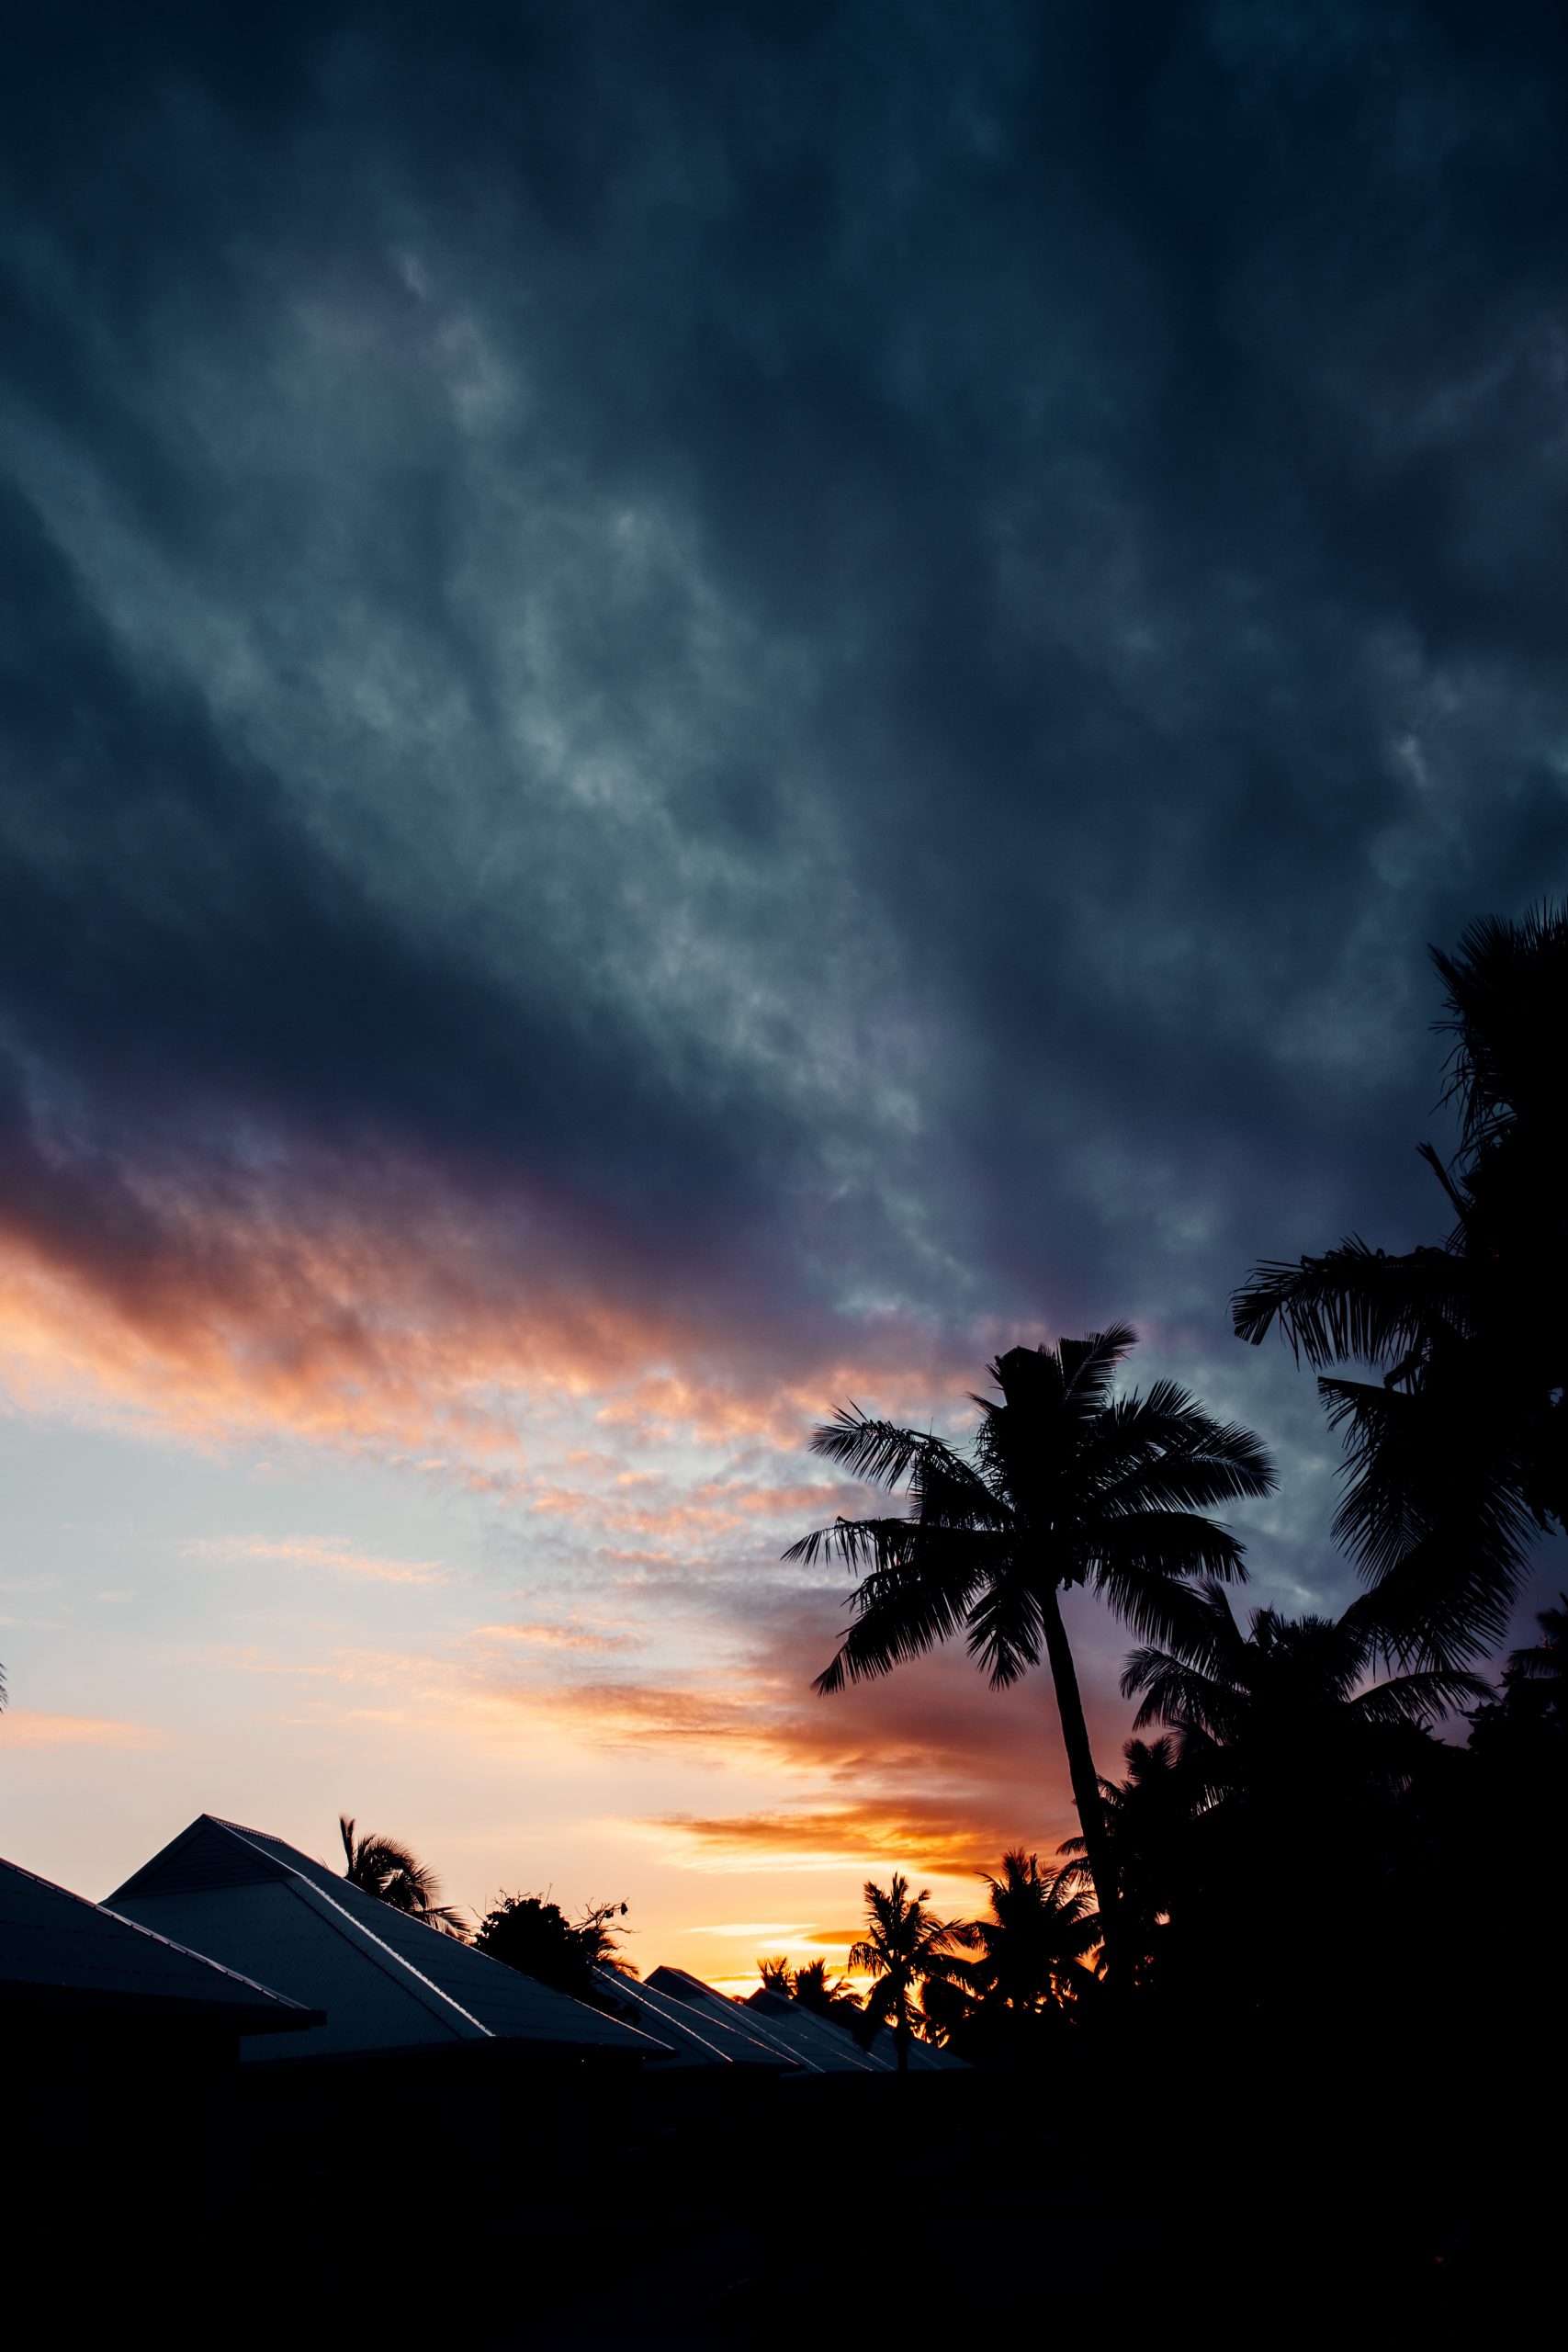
(830, 662)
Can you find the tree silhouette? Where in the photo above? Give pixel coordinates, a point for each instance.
(1458, 1455)
(534, 1935)
(1033, 1948)
(1287, 1735)
(808, 1984)
(1149, 1819)
(903, 1947)
(382, 1867)
(836, 2001)
(1066, 1486)
(1546, 1661)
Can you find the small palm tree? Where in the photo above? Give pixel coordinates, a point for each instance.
(904, 1946)
(777, 1977)
(1546, 1661)
(381, 1867)
(1066, 1486)
(1034, 1949)
(1148, 1824)
(812, 1990)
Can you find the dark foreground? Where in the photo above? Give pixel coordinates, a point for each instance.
(1130, 2186)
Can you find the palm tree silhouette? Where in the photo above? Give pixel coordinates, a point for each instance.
(1458, 1455)
(811, 1989)
(1034, 1949)
(1284, 1728)
(381, 1867)
(1148, 1826)
(904, 1945)
(1546, 1661)
(1067, 1486)
(1292, 1701)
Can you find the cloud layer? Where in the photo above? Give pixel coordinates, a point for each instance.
(701, 711)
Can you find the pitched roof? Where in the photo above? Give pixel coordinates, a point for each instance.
(837, 2048)
(385, 1980)
(58, 1947)
(798, 2042)
(693, 2035)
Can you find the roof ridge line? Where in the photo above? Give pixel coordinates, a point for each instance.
(219, 1967)
(52, 1886)
(404, 1967)
(673, 2007)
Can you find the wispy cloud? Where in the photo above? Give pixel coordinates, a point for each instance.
(937, 1840)
(313, 1552)
(560, 1637)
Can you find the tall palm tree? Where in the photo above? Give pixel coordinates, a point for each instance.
(1458, 1453)
(903, 1947)
(381, 1867)
(1064, 1485)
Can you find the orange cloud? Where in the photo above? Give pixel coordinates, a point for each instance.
(390, 1305)
(559, 1637)
(933, 1840)
(306, 1551)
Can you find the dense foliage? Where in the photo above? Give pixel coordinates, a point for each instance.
(530, 1933)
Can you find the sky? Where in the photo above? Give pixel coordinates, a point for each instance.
(704, 711)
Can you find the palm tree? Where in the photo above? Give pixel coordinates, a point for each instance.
(1287, 1737)
(1457, 1454)
(381, 1867)
(811, 1989)
(1148, 1826)
(903, 1947)
(777, 1977)
(1066, 1486)
(1546, 1661)
(1034, 1949)
(1292, 1701)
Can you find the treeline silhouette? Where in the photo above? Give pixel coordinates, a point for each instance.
(1300, 1845)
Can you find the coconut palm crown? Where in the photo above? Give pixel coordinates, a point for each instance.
(904, 1946)
(382, 1867)
(1063, 1485)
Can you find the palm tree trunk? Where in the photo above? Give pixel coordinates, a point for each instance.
(1080, 1769)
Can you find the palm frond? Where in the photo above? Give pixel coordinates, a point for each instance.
(1433, 1515)
(1005, 1627)
(1147, 1567)
(1420, 1697)
(1354, 1304)
(906, 1608)
(859, 1542)
(880, 1452)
